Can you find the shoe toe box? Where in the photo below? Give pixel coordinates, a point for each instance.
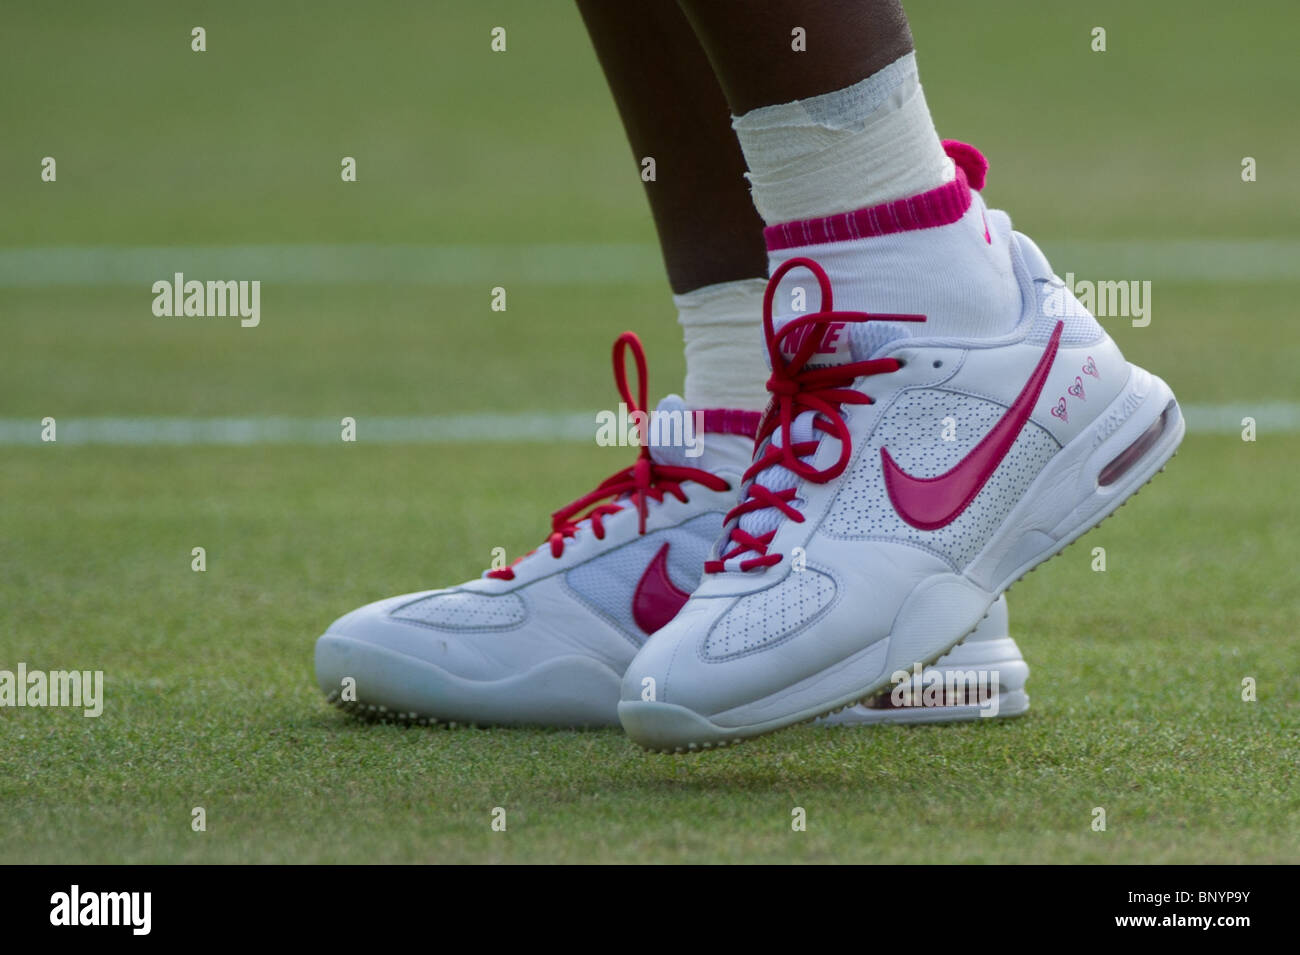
(456, 630)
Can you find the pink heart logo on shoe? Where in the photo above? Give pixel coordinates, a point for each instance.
(1076, 389)
(1059, 411)
(1090, 368)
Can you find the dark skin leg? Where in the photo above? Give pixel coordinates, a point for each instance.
(749, 45)
(674, 111)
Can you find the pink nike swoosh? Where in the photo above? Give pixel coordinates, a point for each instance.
(657, 599)
(930, 503)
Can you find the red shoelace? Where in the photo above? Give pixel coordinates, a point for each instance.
(795, 388)
(646, 480)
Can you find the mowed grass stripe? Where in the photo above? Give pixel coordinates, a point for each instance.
(1193, 260)
(575, 427)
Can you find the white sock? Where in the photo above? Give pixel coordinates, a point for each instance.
(858, 181)
(725, 364)
(962, 283)
(856, 147)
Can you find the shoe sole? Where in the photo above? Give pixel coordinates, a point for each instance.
(1011, 703)
(338, 657)
(571, 692)
(964, 664)
(1127, 444)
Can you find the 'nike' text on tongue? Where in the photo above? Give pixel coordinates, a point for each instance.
(833, 342)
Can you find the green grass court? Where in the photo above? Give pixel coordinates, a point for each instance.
(1136, 672)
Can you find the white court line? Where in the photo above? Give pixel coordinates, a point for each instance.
(1192, 260)
(562, 427)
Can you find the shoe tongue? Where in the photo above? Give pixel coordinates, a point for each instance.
(841, 343)
(688, 446)
(674, 442)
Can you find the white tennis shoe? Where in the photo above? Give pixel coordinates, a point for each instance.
(546, 640)
(896, 491)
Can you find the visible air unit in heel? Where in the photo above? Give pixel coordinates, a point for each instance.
(1125, 460)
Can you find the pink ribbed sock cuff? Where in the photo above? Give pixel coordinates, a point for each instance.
(938, 207)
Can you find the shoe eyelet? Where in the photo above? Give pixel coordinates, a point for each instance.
(938, 363)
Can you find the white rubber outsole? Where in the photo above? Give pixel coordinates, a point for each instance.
(1010, 704)
(969, 669)
(422, 703)
(387, 686)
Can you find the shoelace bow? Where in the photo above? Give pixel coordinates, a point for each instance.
(644, 481)
(795, 389)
